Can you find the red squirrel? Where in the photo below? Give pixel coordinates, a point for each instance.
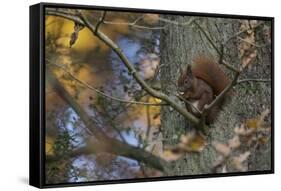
(202, 81)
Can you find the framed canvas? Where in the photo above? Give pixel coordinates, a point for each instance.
(122, 95)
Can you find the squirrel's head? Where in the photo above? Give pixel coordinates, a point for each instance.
(185, 81)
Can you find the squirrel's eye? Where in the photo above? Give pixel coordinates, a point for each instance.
(186, 81)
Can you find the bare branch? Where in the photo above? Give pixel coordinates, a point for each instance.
(63, 10)
(230, 67)
(223, 62)
(136, 75)
(208, 38)
(134, 24)
(189, 22)
(148, 120)
(253, 80)
(160, 95)
(64, 15)
(251, 43)
(100, 92)
(243, 31)
(207, 108)
(106, 144)
(101, 20)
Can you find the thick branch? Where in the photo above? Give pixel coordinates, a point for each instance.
(107, 143)
(136, 75)
(84, 21)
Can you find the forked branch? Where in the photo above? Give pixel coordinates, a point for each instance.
(107, 144)
(81, 19)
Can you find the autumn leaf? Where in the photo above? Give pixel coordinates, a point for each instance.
(191, 142)
(248, 134)
(262, 140)
(73, 38)
(238, 161)
(172, 155)
(222, 148)
(234, 142)
(248, 57)
(252, 123)
(243, 131)
(256, 123)
(247, 45)
(49, 145)
(196, 144)
(74, 35)
(151, 18)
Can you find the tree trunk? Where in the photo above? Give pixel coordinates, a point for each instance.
(178, 45)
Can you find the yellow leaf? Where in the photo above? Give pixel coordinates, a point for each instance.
(49, 142)
(197, 144)
(192, 142)
(252, 123)
(170, 155)
(257, 122)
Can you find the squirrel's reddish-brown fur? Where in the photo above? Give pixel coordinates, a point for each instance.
(200, 83)
(208, 70)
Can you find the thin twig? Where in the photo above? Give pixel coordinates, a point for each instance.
(148, 119)
(251, 43)
(64, 15)
(100, 92)
(124, 23)
(134, 24)
(253, 80)
(207, 108)
(190, 21)
(100, 21)
(230, 67)
(223, 62)
(208, 38)
(241, 32)
(64, 11)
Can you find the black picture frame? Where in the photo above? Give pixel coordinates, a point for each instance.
(37, 94)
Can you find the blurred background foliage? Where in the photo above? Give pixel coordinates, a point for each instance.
(92, 62)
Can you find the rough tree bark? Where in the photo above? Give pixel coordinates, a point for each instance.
(178, 45)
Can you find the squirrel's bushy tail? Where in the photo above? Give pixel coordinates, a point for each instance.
(208, 70)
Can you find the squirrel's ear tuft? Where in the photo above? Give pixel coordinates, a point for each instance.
(188, 70)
